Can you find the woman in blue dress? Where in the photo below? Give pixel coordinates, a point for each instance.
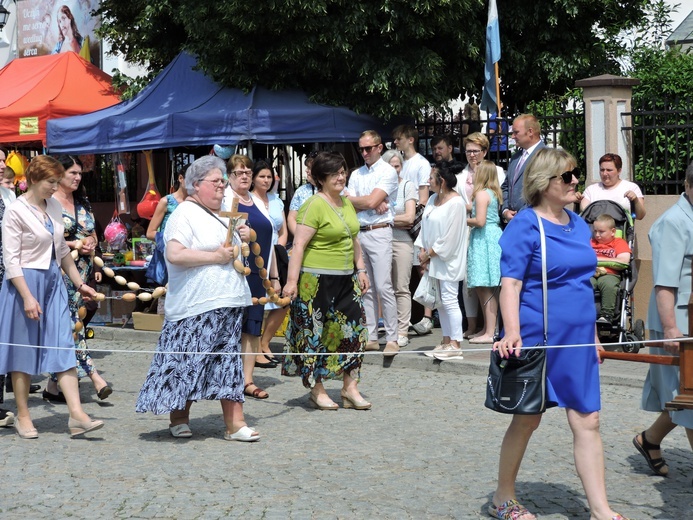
(572, 373)
(34, 308)
(80, 236)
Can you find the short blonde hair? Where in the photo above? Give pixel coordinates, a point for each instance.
(373, 134)
(530, 121)
(477, 138)
(544, 165)
(238, 159)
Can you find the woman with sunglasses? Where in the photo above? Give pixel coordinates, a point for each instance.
(572, 374)
(197, 354)
(625, 193)
(240, 179)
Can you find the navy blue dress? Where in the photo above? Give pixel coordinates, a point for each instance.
(252, 323)
(572, 373)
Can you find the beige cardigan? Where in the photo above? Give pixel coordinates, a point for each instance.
(26, 243)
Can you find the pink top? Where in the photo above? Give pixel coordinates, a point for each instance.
(26, 243)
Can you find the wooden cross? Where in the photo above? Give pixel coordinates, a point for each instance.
(235, 219)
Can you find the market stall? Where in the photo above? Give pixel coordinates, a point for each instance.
(36, 90)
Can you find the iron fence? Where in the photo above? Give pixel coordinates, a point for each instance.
(562, 125)
(661, 131)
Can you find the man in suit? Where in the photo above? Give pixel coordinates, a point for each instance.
(527, 134)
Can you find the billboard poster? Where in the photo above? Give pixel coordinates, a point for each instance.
(53, 26)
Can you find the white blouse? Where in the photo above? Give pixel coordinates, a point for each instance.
(443, 228)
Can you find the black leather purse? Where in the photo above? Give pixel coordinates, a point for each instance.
(517, 385)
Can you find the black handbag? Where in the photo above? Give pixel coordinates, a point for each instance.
(416, 225)
(282, 258)
(517, 384)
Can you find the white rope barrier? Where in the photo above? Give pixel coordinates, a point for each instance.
(368, 353)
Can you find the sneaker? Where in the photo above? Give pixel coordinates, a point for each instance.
(391, 349)
(603, 320)
(382, 340)
(447, 352)
(425, 326)
(403, 341)
(438, 348)
(6, 418)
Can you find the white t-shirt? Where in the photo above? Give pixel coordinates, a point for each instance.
(362, 183)
(194, 290)
(416, 170)
(597, 191)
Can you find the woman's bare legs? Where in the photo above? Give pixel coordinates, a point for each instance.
(69, 385)
(513, 448)
(177, 417)
(320, 396)
(233, 415)
(274, 320)
(589, 461)
(350, 388)
(249, 344)
(21, 383)
(489, 304)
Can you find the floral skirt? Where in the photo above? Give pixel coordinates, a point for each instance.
(327, 316)
(195, 360)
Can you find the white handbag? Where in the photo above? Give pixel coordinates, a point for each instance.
(428, 292)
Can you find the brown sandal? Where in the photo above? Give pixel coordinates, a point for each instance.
(257, 393)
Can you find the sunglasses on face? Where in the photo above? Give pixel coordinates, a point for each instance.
(567, 177)
(367, 149)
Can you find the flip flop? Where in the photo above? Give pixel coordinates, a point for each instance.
(244, 434)
(510, 510)
(180, 431)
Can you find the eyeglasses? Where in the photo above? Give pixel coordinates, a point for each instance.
(240, 173)
(473, 152)
(567, 177)
(340, 173)
(367, 149)
(218, 183)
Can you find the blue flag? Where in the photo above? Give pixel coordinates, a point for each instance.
(489, 100)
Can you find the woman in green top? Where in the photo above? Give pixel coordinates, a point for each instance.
(326, 281)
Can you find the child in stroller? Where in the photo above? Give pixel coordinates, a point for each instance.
(622, 327)
(613, 256)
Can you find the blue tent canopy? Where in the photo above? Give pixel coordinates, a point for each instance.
(184, 107)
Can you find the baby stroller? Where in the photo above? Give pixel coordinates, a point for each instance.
(622, 328)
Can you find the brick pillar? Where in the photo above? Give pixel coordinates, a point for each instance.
(606, 99)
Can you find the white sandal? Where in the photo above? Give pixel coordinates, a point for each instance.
(180, 431)
(244, 434)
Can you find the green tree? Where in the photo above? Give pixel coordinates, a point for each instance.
(662, 129)
(384, 57)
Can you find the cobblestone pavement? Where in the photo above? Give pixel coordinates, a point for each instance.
(427, 449)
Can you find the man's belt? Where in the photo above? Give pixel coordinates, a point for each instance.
(374, 226)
